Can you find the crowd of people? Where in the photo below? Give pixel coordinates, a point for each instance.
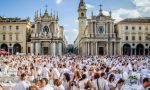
(72, 72)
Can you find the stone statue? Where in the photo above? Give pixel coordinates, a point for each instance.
(49, 35)
(45, 34)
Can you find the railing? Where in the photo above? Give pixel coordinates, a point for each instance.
(107, 35)
(43, 35)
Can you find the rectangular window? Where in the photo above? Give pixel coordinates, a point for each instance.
(146, 27)
(126, 27)
(10, 27)
(140, 28)
(133, 38)
(4, 27)
(133, 28)
(3, 37)
(17, 27)
(16, 36)
(28, 49)
(127, 38)
(140, 38)
(10, 37)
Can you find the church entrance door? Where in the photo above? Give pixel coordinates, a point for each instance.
(45, 49)
(101, 50)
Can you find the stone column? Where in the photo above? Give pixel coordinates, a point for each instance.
(111, 47)
(60, 48)
(50, 48)
(88, 48)
(37, 48)
(53, 49)
(32, 48)
(92, 48)
(96, 48)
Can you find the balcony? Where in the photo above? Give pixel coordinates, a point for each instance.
(102, 36)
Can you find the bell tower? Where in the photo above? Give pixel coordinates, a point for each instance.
(82, 17)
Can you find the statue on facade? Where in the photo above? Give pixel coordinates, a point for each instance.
(49, 35)
(45, 34)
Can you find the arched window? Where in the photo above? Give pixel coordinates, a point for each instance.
(82, 14)
(46, 29)
(101, 29)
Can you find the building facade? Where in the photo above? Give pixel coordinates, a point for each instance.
(47, 37)
(13, 34)
(96, 35)
(135, 36)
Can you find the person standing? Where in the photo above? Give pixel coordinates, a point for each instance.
(23, 84)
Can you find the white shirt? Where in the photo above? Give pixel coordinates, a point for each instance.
(61, 87)
(46, 88)
(103, 84)
(45, 72)
(55, 73)
(21, 86)
(82, 83)
(141, 88)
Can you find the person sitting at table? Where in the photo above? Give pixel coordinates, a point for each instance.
(22, 85)
(146, 84)
(1, 87)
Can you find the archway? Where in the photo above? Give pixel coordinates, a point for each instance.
(126, 49)
(4, 47)
(46, 29)
(139, 49)
(17, 48)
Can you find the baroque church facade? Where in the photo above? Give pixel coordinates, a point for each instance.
(47, 37)
(96, 35)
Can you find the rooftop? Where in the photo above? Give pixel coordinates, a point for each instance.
(3, 19)
(136, 20)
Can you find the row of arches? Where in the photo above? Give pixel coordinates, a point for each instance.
(16, 48)
(139, 50)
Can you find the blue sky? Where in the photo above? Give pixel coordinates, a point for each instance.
(68, 10)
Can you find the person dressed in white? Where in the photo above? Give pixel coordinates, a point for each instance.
(22, 85)
(119, 84)
(44, 85)
(146, 84)
(58, 85)
(55, 73)
(82, 82)
(45, 72)
(101, 83)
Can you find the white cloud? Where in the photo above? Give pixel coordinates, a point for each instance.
(72, 30)
(142, 9)
(142, 5)
(71, 34)
(125, 13)
(59, 1)
(122, 13)
(89, 6)
(76, 21)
